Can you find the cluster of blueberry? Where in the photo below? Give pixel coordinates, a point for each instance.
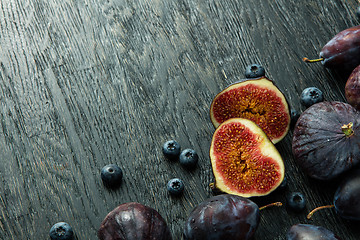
(188, 158)
(111, 175)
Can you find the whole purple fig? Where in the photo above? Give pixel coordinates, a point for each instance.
(134, 221)
(342, 51)
(346, 198)
(326, 139)
(222, 217)
(309, 231)
(352, 88)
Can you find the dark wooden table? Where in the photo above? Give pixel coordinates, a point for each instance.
(84, 83)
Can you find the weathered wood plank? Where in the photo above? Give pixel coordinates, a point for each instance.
(84, 83)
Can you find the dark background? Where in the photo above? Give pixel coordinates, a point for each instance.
(84, 83)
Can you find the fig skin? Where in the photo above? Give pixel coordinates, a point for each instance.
(134, 221)
(258, 100)
(352, 88)
(308, 231)
(342, 51)
(222, 217)
(326, 139)
(244, 160)
(347, 197)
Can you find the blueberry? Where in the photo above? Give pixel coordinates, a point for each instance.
(310, 96)
(175, 186)
(188, 158)
(283, 184)
(294, 114)
(254, 71)
(171, 149)
(296, 201)
(61, 231)
(111, 175)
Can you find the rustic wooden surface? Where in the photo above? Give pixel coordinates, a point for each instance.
(84, 83)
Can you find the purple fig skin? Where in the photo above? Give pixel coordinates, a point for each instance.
(308, 231)
(222, 217)
(320, 146)
(352, 88)
(346, 198)
(343, 50)
(134, 221)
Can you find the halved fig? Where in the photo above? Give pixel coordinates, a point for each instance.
(326, 139)
(134, 221)
(244, 160)
(258, 100)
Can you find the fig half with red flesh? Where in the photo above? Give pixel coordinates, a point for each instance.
(326, 139)
(258, 100)
(244, 160)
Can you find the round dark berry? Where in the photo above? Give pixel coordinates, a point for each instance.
(111, 175)
(171, 149)
(294, 114)
(310, 96)
(296, 201)
(358, 12)
(283, 184)
(254, 71)
(188, 158)
(175, 186)
(61, 231)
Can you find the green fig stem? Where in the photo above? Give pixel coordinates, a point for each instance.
(276, 204)
(317, 209)
(305, 59)
(348, 129)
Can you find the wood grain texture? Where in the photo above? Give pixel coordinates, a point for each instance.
(84, 83)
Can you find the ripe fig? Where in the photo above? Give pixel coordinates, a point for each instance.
(352, 88)
(342, 51)
(346, 198)
(244, 160)
(222, 217)
(326, 139)
(258, 100)
(134, 221)
(310, 232)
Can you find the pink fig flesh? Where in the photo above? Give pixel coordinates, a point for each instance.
(244, 160)
(258, 100)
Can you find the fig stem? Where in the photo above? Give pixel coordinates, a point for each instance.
(276, 204)
(348, 129)
(317, 209)
(305, 59)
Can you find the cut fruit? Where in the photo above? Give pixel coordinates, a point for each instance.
(258, 100)
(244, 160)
